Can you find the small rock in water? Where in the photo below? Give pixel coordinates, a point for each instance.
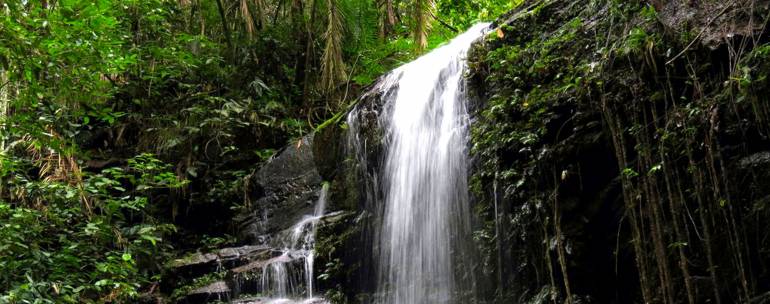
(216, 287)
(215, 291)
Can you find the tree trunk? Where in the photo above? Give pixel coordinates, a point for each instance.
(298, 24)
(309, 55)
(226, 28)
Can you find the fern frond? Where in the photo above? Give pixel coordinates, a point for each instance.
(361, 21)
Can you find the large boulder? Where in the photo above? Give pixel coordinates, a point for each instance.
(280, 192)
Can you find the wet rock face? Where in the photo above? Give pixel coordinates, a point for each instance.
(759, 161)
(329, 151)
(202, 263)
(280, 192)
(718, 21)
(348, 155)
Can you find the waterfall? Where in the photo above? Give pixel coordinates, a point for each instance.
(423, 222)
(281, 277)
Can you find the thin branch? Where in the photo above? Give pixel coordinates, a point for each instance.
(447, 25)
(224, 25)
(699, 34)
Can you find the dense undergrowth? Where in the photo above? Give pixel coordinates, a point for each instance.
(621, 151)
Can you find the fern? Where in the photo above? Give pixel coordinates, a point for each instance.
(361, 18)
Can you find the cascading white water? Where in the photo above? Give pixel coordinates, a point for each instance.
(426, 216)
(280, 276)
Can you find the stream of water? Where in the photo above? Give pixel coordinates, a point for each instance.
(288, 278)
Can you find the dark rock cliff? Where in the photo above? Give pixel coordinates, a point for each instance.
(620, 152)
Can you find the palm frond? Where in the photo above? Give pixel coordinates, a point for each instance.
(421, 14)
(261, 13)
(57, 167)
(332, 65)
(247, 17)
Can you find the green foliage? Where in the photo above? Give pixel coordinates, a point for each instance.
(57, 251)
(464, 13)
(58, 64)
(536, 77)
(72, 236)
(373, 58)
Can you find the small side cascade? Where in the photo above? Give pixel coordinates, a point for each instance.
(289, 276)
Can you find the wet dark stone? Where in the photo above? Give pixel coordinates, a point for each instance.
(217, 291)
(280, 192)
(329, 150)
(761, 159)
(199, 264)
